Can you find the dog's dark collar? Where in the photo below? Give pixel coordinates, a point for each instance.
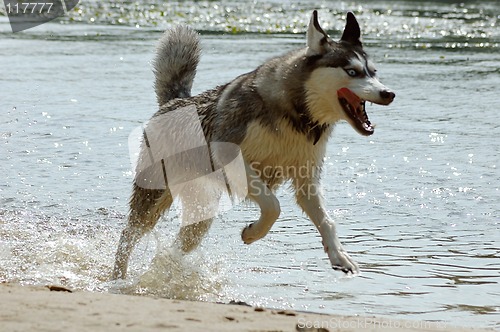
(317, 131)
(304, 124)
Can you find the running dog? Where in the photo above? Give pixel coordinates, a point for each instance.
(280, 117)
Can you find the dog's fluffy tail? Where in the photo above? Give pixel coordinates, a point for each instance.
(177, 57)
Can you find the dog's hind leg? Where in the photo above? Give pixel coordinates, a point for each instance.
(269, 207)
(190, 236)
(311, 201)
(200, 204)
(146, 207)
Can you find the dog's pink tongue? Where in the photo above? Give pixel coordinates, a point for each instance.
(350, 96)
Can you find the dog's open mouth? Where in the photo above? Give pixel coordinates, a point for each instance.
(354, 107)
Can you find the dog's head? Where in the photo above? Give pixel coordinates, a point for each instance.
(342, 78)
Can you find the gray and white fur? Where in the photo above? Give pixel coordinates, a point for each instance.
(280, 115)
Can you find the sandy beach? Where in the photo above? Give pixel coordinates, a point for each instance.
(53, 308)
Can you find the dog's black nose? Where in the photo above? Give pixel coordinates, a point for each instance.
(387, 95)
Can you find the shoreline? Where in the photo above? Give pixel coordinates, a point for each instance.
(54, 308)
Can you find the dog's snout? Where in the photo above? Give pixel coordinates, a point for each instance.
(387, 95)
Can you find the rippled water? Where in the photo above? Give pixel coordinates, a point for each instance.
(416, 203)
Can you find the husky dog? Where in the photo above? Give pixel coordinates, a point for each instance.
(280, 116)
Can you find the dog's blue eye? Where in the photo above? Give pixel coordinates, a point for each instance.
(351, 72)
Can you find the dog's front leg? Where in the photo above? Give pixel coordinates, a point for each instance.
(311, 201)
(269, 207)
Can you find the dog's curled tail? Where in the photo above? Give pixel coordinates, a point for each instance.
(174, 66)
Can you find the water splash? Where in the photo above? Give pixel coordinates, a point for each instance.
(41, 250)
(174, 275)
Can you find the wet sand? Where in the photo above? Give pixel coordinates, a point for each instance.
(53, 308)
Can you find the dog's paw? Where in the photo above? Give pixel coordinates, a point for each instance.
(342, 262)
(352, 270)
(250, 234)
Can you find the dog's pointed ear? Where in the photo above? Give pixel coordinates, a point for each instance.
(352, 33)
(316, 37)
